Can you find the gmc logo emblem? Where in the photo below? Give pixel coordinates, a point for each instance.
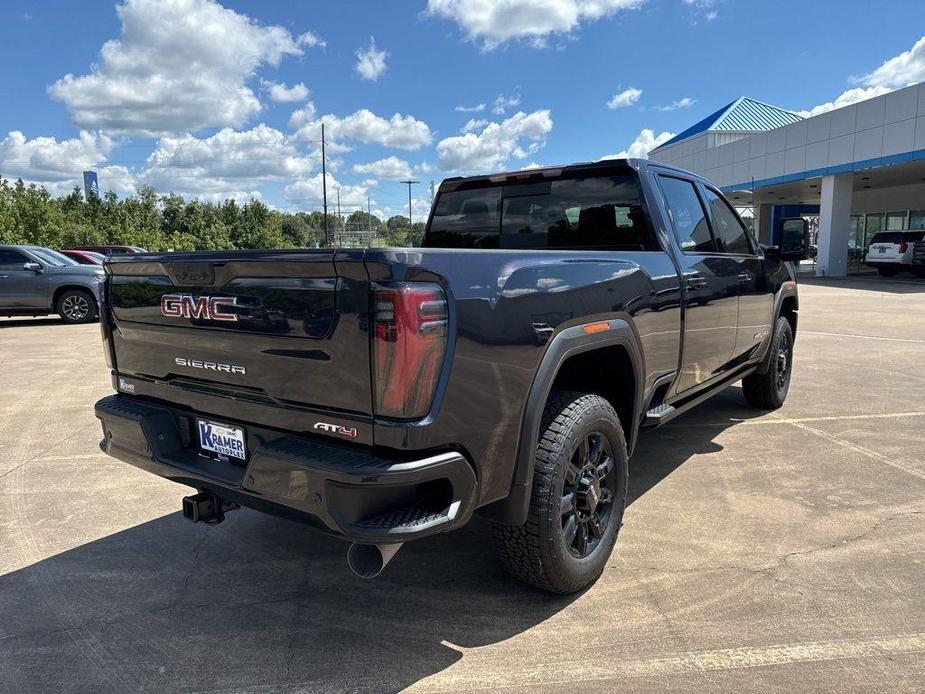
(204, 307)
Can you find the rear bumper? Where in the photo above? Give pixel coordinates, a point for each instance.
(346, 491)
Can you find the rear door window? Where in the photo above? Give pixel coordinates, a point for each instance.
(11, 260)
(690, 219)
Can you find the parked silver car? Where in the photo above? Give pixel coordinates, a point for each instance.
(36, 281)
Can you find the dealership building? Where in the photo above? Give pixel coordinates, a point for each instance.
(854, 171)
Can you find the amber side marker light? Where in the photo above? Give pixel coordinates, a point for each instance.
(596, 327)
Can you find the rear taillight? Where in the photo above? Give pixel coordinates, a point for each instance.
(903, 246)
(409, 341)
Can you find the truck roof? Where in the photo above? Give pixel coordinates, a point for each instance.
(548, 172)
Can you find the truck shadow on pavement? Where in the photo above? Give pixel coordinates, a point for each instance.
(261, 604)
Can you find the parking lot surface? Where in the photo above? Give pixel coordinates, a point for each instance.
(760, 552)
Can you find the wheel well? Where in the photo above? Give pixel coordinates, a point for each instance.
(607, 372)
(67, 287)
(788, 309)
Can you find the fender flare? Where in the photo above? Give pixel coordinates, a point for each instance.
(788, 290)
(513, 509)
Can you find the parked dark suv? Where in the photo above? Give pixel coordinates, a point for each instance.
(36, 281)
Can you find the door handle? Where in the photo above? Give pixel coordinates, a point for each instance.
(745, 277)
(697, 283)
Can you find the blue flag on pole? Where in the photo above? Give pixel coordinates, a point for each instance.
(91, 185)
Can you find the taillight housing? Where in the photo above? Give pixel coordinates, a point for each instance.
(903, 246)
(409, 343)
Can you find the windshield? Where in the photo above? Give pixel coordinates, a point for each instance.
(53, 258)
(593, 212)
(98, 257)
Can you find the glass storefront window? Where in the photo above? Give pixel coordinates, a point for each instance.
(872, 225)
(895, 221)
(917, 219)
(856, 237)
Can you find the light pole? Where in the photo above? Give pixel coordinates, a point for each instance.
(410, 224)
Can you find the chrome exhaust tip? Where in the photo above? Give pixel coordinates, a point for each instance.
(368, 561)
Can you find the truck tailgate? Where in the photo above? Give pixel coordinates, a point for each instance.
(278, 328)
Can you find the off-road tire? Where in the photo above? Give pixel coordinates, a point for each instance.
(76, 306)
(768, 391)
(538, 552)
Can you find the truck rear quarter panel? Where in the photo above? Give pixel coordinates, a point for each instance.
(505, 308)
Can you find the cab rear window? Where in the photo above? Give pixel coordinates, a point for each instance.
(601, 212)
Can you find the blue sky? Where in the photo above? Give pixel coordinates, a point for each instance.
(218, 100)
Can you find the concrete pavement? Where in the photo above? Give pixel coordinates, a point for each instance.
(760, 552)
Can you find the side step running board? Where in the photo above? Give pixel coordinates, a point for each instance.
(658, 415)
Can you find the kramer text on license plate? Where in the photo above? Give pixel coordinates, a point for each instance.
(222, 439)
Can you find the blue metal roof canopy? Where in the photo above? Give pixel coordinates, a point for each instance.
(743, 114)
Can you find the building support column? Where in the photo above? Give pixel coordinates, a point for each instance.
(763, 223)
(834, 225)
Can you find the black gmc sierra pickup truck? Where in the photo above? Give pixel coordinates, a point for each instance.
(505, 368)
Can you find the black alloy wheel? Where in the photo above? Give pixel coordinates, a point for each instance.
(587, 498)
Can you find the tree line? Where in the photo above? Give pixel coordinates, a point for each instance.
(29, 214)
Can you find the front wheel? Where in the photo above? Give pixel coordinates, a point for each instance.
(76, 306)
(768, 391)
(577, 500)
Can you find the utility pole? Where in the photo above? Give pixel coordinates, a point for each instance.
(369, 220)
(340, 222)
(410, 226)
(324, 189)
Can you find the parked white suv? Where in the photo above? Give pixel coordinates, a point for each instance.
(897, 251)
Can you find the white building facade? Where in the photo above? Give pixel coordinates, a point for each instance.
(861, 168)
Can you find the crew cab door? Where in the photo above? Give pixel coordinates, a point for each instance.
(756, 301)
(21, 288)
(710, 283)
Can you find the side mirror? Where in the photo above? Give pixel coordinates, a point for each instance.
(34, 267)
(794, 240)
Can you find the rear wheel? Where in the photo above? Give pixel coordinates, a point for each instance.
(768, 391)
(886, 271)
(577, 500)
(76, 306)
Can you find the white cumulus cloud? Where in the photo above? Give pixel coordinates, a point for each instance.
(490, 147)
(390, 168)
(493, 22)
(640, 147)
(56, 164)
(371, 61)
(478, 108)
(902, 70)
(228, 159)
(311, 40)
(503, 103)
(281, 93)
(179, 65)
(627, 97)
(308, 192)
(685, 102)
(399, 131)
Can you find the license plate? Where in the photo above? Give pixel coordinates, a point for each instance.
(881, 250)
(221, 439)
